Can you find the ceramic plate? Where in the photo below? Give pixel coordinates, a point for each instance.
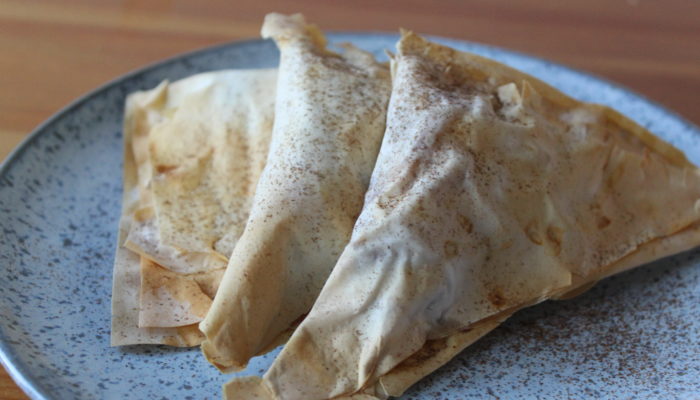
(636, 335)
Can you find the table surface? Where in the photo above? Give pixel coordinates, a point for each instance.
(54, 51)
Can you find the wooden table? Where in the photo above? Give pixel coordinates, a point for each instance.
(53, 51)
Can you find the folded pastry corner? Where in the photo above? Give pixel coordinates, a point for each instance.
(169, 299)
(492, 191)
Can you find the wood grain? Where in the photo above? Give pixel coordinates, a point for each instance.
(53, 51)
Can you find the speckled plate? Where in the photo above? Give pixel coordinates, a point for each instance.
(636, 335)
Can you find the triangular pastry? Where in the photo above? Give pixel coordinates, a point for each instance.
(193, 152)
(198, 165)
(492, 191)
(329, 120)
